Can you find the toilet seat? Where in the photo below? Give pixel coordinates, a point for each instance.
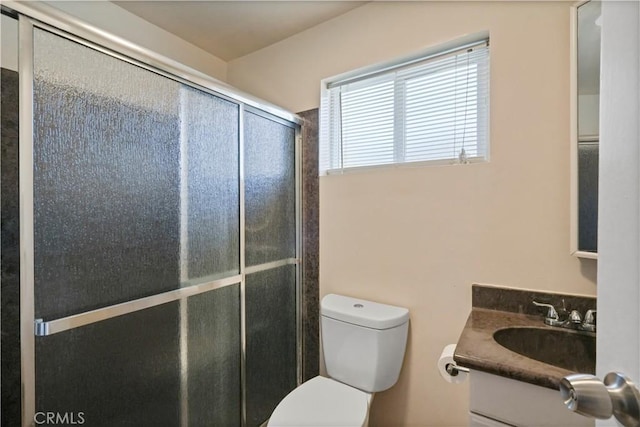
(322, 402)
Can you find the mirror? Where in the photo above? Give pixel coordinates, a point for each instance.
(585, 100)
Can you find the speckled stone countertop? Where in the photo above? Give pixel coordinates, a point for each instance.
(477, 349)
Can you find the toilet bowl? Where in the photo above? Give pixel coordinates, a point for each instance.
(363, 346)
(322, 402)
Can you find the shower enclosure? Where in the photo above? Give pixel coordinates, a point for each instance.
(160, 248)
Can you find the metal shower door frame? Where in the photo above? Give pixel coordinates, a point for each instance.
(34, 15)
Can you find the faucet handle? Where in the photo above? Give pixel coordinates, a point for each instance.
(574, 317)
(589, 323)
(590, 316)
(551, 314)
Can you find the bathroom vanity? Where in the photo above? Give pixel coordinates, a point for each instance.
(517, 403)
(516, 361)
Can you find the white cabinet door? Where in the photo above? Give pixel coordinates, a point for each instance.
(517, 403)
(476, 420)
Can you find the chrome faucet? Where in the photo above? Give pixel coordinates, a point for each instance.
(573, 320)
(552, 318)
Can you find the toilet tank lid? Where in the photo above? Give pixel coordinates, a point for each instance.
(362, 312)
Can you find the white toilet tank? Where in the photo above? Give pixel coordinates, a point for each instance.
(363, 341)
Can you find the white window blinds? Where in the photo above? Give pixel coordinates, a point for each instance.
(433, 109)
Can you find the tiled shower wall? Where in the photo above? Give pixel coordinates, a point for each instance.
(10, 293)
(310, 246)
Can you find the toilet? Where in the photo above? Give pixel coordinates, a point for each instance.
(363, 346)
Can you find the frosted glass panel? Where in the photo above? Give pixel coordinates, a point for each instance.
(126, 371)
(120, 372)
(106, 179)
(271, 340)
(136, 192)
(211, 132)
(214, 358)
(269, 190)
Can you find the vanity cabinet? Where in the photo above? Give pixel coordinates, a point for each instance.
(516, 361)
(498, 401)
(476, 420)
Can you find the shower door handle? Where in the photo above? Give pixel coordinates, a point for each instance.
(617, 395)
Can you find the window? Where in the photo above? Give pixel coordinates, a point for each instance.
(431, 109)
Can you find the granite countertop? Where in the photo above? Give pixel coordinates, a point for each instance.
(477, 349)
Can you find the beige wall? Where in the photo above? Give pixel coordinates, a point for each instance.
(418, 237)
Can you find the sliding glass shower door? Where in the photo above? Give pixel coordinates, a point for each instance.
(165, 245)
(270, 224)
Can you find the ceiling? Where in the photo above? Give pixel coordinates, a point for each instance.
(231, 29)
